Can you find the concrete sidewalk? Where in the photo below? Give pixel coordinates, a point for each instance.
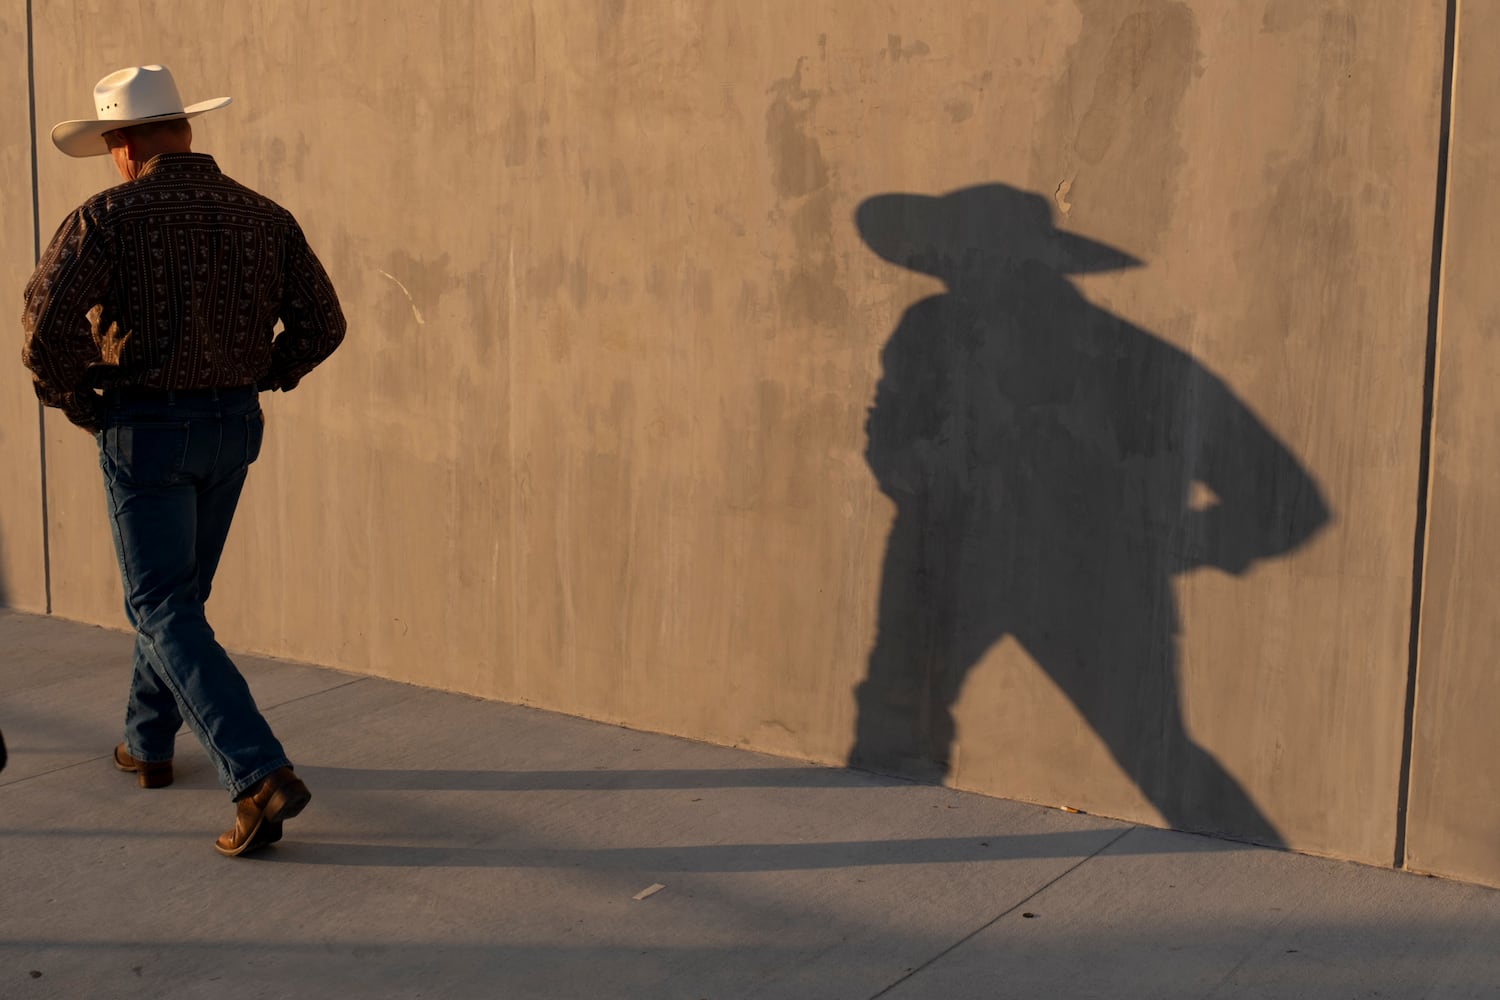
(460, 848)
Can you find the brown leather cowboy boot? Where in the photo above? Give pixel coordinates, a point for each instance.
(259, 813)
(150, 773)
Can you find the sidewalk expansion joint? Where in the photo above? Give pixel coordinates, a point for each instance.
(1005, 913)
(314, 694)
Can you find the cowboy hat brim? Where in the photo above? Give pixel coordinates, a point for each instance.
(86, 137)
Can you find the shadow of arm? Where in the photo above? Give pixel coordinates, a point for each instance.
(1265, 503)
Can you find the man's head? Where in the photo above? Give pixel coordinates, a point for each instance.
(133, 147)
(126, 98)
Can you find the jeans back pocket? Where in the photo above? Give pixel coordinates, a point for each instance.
(151, 454)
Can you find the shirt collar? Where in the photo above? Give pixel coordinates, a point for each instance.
(179, 163)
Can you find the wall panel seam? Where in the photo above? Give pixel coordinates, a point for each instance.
(36, 254)
(1429, 401)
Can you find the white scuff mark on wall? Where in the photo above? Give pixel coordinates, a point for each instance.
(1063, 204)
(414, 310)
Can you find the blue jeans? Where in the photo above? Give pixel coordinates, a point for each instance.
(174, 465)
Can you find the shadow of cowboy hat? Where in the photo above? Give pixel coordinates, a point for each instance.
(991, 225)
(132, 96)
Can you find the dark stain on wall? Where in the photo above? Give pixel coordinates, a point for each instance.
(808, 289)
(797, 164)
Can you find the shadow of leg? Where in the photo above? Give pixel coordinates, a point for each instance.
(899, 700)
(1123, 681)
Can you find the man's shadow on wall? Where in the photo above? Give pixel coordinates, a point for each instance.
(1043, 456)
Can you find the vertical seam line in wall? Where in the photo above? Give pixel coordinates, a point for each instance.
(36, 253)
(1429, 400)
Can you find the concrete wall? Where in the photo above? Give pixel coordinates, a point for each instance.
(625, 279)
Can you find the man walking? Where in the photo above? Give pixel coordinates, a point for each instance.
(150, 322)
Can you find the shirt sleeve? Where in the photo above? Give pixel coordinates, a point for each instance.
(312, 322)
(71, 278)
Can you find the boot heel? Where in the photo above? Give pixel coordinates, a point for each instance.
(287, 801)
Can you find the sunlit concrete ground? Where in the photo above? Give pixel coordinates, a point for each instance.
(461, 848)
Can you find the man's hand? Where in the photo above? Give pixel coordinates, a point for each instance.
(272, 383)
(84, 409)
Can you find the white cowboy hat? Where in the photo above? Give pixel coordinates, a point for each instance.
(127, 97)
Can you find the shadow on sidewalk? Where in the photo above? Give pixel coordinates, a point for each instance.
(739, 858)
(602, 778)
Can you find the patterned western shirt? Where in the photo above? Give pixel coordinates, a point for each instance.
(175, 280)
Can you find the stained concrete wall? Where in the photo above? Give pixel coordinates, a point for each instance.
(1454, 824)
(22, 562)
(624, 282)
